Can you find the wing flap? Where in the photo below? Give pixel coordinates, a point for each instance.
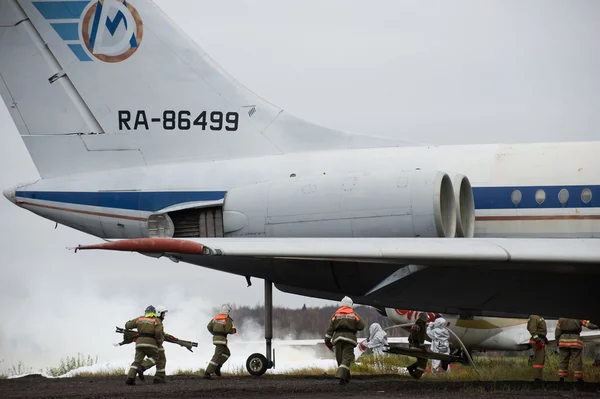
(559, 255)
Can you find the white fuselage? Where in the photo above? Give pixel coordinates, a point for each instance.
(478, 333)
(117, 203)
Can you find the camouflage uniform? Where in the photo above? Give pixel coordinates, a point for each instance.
(417, 340)
(219, 327)
(342, 333)
(151, 336)
(536, 325)
(570, 346)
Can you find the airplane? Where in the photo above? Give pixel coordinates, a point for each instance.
(477, 334)
(486, 333)
(141, 139)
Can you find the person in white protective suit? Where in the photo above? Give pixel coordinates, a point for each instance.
(377, 339)
(440, 337)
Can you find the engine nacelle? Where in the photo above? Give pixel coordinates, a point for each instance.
(412, 203)
(465, 206)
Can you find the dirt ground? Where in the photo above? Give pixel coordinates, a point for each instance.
(284, 386)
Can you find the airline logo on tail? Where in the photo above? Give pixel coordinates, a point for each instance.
(106, 30)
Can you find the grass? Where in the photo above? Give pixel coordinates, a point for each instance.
(18, 369)
(118, 372)
(510, 369)
(309, 371)
(490, 369)
(389, 364)
(66, 364)
(71, 363)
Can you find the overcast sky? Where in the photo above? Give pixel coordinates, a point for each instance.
(430, 72)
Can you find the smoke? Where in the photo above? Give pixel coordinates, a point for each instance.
(61, 317)
(80, 320)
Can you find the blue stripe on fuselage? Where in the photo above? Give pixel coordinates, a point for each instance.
(132, 200)
(485, 198)
(501, 197)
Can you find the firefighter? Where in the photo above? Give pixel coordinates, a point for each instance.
(417, 340)
(377, 340)
(161, 363)
(570, 346)
(536, 325)
(440, 342)
(219, 327)
(341, 333)
(151, 337)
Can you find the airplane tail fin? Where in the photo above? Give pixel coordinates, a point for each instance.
(93, 85)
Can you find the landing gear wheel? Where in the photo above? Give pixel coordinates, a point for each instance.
(257, 364)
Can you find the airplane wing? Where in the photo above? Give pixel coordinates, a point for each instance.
(467, 276)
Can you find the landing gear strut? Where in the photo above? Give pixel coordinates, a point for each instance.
(257, 364)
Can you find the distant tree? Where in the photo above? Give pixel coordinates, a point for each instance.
(304, 307)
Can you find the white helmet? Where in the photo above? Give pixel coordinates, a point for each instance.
(225, 309)
(160, 309)
(346, 301)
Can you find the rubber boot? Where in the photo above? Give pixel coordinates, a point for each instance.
(140, 373)
(130, 381)
(207, 376)
(218, 371)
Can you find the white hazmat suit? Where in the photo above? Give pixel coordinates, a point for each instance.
(377, 339)
(440, 337)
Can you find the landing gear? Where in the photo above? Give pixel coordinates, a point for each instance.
(257, 364)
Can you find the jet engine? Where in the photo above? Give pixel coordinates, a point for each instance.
(412, 203)
(465, 206)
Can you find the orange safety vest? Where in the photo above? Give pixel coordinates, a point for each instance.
(221, 317)
(345, 311)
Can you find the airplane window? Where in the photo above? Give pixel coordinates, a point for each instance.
(563, 196)
(586, 195)
(540, 196)
(516, 197)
